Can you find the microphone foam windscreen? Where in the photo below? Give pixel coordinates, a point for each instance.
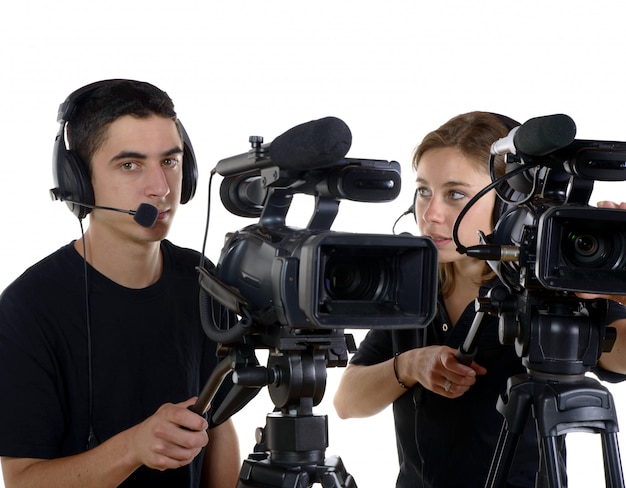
(146, 215)
(542, 135)
(312, 145)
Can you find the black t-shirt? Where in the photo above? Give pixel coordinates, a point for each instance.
(147, 348)
(450, 442)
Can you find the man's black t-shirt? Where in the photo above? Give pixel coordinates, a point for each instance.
(147, 348)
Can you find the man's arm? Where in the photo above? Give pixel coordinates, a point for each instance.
(222, 461)
(160, 442)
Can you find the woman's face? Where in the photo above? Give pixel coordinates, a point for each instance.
(446, 181)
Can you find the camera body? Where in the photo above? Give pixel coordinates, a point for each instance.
(308, 279)
(314, 278)
(582, 249)
(549, 244)
(563, 243)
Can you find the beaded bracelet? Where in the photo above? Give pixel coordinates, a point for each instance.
(395, 371)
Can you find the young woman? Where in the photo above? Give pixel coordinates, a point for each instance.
(445, 414)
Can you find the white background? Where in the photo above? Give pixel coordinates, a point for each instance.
(391, 70)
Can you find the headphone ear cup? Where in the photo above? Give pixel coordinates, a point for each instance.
(71, 177)
(190, 175)
(75, 182)
(501, 207)
(190, 168)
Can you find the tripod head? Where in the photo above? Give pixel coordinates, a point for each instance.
(555, 335)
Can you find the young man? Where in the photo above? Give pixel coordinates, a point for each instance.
(101, 346)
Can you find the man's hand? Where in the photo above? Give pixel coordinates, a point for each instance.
(172, 437)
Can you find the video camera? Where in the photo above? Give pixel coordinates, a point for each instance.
(550, 238)
(296, 289)
(314, 278)
(549, 244)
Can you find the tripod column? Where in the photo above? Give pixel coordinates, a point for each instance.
(296, 440)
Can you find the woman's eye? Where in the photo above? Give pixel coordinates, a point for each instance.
(423, 192)
(457, 195)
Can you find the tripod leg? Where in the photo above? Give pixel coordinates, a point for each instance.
(514, 406)
(502, 459)
(554, 468)
(612, 465)
(334, 474)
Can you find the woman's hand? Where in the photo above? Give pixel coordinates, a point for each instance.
(437, 369)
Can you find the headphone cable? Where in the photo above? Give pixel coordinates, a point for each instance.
(92, 441)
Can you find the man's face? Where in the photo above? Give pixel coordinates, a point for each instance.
(140, 161)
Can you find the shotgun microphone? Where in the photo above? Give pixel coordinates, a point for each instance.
(312, 145)
(538, 136)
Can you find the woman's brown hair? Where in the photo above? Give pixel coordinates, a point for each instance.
(471, 133)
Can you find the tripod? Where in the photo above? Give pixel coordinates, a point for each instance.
(290, 449)
(559, 406)
(559, 341)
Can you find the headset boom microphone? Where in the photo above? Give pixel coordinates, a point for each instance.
(146, 215)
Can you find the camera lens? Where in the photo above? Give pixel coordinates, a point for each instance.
(354, 278)
(581, 249)
(588, 250)
(586, 245)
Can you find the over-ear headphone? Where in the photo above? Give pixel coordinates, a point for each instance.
(71, 173)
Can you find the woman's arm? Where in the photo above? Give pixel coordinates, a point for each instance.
(366, 390)
(615, 359)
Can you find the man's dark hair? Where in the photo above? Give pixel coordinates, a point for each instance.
(98, 108)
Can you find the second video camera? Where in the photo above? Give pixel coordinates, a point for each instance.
(558, 241)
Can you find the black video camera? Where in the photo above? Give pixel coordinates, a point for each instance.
(550, 244)
(551, 238)
(314, 278)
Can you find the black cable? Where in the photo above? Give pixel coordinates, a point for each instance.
(91, 438)
(455, 229)
(406, 212)
(208, 216)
